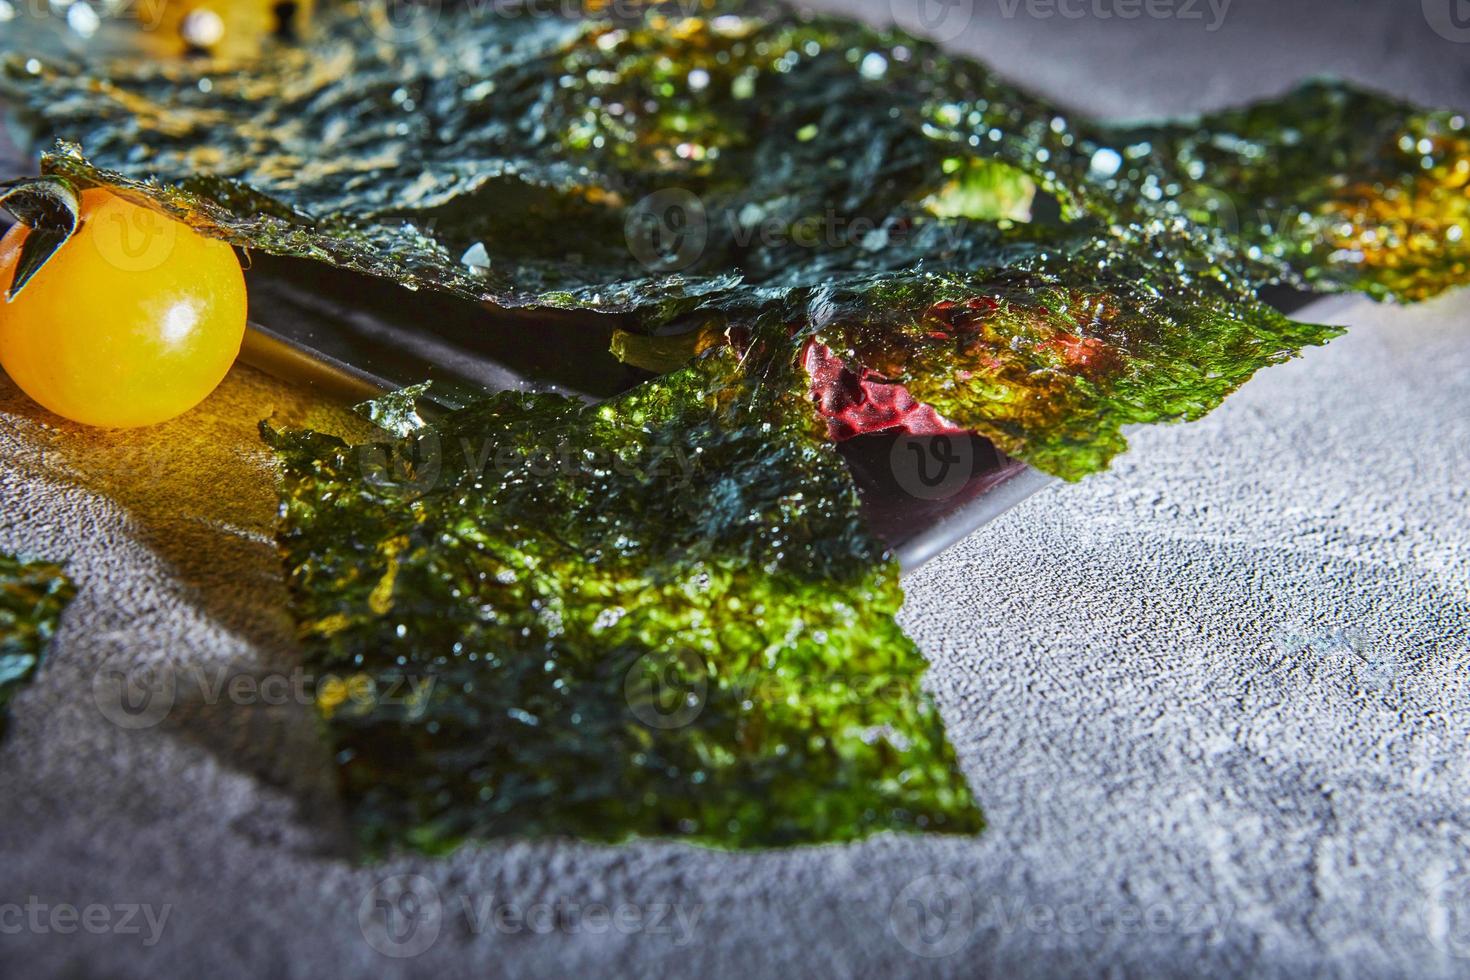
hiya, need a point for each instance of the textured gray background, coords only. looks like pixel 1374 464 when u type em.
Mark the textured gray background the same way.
pixel 1214 701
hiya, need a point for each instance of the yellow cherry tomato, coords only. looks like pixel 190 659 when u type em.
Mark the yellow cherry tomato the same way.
pixel 132 322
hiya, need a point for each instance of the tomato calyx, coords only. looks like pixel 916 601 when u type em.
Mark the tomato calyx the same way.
pixel 51 208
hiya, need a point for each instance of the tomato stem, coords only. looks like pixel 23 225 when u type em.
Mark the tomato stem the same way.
pixel 50 208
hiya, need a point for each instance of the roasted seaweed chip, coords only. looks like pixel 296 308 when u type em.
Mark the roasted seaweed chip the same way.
pixel 725 151
pixel 728 163
pixel 660 616
pixel 1051 355
pixel 648 165
pixel 593 163
pixel 32 597
pixel 1329 188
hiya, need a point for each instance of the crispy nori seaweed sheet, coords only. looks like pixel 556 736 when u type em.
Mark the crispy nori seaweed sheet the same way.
pixel 658 616
pixel 572 153
pixel 569 151
pixel 1330 188
pixel 732 165
pixel 32 597
pixel 1052 355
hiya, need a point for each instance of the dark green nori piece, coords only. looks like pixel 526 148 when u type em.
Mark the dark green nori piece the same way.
pixel 1051 355
pixel 648 165
pixel 32 597
pixel 735 165
pixel 651 163
pixel 660 616
pixel 526 160
pixel 1330 188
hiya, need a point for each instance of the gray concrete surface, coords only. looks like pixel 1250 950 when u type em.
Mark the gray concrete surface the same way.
pixel 1132 59
pixel 1214 702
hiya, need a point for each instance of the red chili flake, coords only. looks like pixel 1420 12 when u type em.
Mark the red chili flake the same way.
pixel 859 402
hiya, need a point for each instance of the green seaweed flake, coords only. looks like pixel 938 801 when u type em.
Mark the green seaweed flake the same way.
pixel 725 153
pixel 737 162
pixel 517 158
pixel 1330 188
pixel 660 616
pixel 32 597
pixel 649 164
pixel 1053 354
